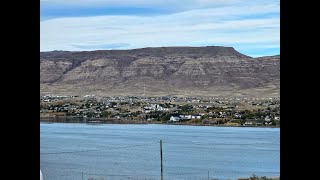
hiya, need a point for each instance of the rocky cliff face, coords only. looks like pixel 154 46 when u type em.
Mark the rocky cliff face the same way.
pixel 186 71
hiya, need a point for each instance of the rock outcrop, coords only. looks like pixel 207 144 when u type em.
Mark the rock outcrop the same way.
pixel 182 71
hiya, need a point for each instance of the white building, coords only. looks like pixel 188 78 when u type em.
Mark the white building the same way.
pixel 174 119
pixel 248 123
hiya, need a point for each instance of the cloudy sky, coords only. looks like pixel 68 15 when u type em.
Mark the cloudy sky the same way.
pixel 251 27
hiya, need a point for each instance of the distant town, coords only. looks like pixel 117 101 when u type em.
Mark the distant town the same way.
pixel 261 112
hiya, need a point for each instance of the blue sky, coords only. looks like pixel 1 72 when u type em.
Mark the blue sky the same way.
pixel 251 27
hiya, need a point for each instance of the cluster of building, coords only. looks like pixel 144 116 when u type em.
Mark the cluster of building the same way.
pixel 154 107
pixel 207 111
pixel 184 117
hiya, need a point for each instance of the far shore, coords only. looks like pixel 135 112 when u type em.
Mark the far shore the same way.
pixel 121 121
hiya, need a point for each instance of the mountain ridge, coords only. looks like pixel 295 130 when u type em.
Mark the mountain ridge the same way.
pixel 182 71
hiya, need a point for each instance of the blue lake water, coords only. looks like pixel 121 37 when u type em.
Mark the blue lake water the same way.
pixel 70 151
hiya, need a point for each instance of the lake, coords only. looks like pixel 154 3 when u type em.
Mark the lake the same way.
pixel 75 151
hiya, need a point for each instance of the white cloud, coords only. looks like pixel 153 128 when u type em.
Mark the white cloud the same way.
pixel 139 2
pixel 178 4
pixel 224 25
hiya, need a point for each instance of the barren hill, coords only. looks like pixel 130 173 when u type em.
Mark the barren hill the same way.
pixel 181 71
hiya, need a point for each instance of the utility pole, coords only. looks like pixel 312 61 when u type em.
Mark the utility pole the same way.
pixel 161 159
pixel 208 175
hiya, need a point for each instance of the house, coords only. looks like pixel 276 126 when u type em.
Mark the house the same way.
pixel 268 123
pixel 267 118
pixel 174 118
pixel 277 118
pixel 237 115
pixel 249 123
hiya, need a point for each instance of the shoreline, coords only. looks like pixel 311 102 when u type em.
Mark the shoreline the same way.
pixel 117 121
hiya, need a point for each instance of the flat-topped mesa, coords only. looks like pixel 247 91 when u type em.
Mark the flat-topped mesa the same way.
pixel 189 71
pixel 184 50
pixel 212 51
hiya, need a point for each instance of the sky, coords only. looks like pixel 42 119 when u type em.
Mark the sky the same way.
pixel 251 27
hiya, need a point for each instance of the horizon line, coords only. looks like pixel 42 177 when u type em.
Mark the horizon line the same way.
pixel 128 49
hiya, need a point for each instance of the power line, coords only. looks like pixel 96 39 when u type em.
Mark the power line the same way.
pixel 89 150
pixel 101 148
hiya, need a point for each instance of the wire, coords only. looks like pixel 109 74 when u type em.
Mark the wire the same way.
pixel 101 148
pixel 89 150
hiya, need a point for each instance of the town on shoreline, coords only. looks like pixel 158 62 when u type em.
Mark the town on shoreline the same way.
pixel 205 111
